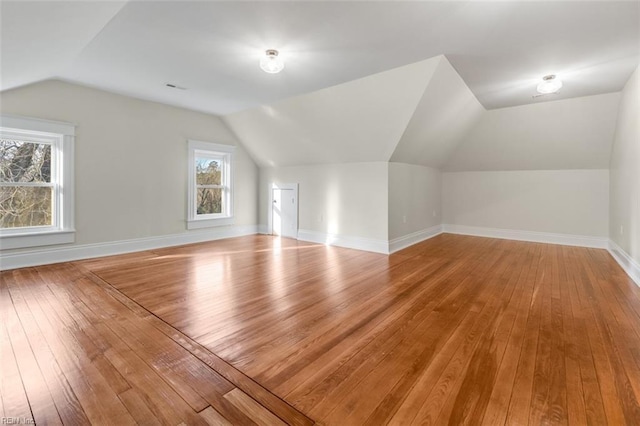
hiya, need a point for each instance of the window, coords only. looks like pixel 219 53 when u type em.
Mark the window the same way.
pixel 36 182
pixel 210 185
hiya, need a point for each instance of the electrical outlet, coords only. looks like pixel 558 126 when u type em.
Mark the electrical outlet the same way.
pixel 621 230
pixel 320 218
pixel 435 213
pixel 404 219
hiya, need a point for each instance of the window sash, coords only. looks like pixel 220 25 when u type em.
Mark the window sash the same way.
pixel 212 186
pixel 55 211
pixel 26 136
pixel 56 142
pixel 224 201
pixel 220 158
pixel 223 155
pixel 223 160
pixel 37 184
pixel 61 137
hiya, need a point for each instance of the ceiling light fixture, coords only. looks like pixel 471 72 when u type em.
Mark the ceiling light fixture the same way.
pixel 550 84
pixel 271 63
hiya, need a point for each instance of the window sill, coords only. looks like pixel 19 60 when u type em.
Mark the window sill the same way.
pixel 49 238
pixel 209 223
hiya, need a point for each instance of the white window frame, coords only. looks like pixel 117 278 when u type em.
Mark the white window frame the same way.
pixel 61 136
pixel 225 153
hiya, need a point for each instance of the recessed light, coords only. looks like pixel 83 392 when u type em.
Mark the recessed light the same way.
pixel 549 84
pixel 271 62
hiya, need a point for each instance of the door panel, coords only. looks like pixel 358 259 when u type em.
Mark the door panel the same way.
pixel 285 213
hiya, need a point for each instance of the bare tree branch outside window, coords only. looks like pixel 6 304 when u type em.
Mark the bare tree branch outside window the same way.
pixel 25 184
pixel 209 186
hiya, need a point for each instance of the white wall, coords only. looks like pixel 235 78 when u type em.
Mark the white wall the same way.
pixel 447 111
pixel 358 121
pixel 574 202
pixel 347 199
pixel 572 133
pixel 415 194
pixel 131 159
pixel 625 171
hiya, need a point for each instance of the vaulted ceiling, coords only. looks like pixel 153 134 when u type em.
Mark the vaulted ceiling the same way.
pixel 358 121
pixel 212 48
pixel 566 134
pixel 447 111
pixel 445 84
pixel 424 114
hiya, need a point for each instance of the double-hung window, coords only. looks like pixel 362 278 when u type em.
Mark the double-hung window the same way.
pixel 36 182
pixel 210 184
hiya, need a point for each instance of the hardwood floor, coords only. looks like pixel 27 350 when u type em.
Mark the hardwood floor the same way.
pixel 454 330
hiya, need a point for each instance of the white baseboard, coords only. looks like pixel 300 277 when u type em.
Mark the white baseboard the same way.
pixel 262 229
pixel 628 264
pixel 414 238
pixel 532 236
pixel 46 256
pixel 358 243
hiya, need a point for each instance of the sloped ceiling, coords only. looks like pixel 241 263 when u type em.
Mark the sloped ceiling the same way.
pixel 565 134
pixel 41 39
pixel 358 121
pixel 212 48
pixel 445 113
pixel 424 114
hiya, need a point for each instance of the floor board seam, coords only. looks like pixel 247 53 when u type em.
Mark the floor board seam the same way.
pixel 195 343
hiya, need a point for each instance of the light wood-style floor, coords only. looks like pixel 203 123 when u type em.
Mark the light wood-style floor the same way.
pixel 454 330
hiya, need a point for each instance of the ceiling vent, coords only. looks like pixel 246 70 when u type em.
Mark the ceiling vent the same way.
pixel 173 86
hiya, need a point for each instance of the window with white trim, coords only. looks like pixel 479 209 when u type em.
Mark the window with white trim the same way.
pixel 36 182
pixel 210 184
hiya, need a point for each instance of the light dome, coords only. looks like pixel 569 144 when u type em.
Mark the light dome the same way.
pixel 271 62
pixel 549 84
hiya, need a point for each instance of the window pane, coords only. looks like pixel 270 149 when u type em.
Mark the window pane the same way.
pixel 208 171
pixel 24 161
pixel 25 206
pixel 209 201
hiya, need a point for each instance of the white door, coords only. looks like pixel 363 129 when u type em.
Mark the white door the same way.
pixel 285 213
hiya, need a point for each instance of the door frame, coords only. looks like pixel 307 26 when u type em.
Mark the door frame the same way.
pixel 272 186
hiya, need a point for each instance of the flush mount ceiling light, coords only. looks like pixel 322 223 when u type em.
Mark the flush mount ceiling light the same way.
pixel 550 84
pixel 271 63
